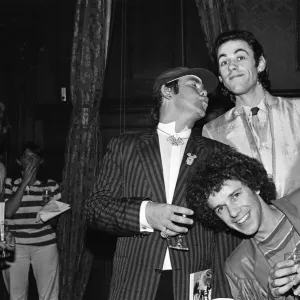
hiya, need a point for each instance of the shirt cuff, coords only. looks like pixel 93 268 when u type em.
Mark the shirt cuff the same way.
pixel 144 225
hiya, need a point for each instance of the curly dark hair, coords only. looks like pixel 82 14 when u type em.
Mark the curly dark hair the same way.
pixel 257 48
pixel 211 175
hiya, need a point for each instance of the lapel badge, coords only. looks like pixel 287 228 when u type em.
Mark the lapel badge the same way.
pixel 190 158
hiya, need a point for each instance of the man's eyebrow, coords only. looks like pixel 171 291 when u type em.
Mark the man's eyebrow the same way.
pixel 229 196
pixel 235 52
pixel 238 189
pixel 195 80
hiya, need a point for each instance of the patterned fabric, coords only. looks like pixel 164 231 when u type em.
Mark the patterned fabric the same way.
pixel 249 278
pixel 130 173
pixel 23 223
pixel 83 146
pixel 283 239
pixel 216 16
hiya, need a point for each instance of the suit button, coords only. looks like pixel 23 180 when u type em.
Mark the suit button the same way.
pixel 158 271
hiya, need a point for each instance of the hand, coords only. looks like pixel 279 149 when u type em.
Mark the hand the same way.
pixel 29 172
pixel 282 278
pixel 162 217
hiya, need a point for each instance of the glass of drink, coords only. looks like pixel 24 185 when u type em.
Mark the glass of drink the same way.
pixel 180 243
pixel 295 256
pixel 46 197
pixel 3 232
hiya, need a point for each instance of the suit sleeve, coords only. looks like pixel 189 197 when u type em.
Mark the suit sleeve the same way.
pixel 225 243
pixel 233 284
pixel 106 208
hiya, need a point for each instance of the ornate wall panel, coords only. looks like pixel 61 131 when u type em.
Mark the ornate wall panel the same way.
pixel 274 24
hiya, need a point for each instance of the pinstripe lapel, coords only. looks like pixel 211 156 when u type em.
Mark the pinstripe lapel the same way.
pixel 148 149
pixel 185 169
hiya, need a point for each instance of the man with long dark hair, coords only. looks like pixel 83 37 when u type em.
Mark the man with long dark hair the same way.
pixel 260 125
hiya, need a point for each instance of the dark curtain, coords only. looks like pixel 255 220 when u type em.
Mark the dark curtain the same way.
pixel 83 145
pixel 216 16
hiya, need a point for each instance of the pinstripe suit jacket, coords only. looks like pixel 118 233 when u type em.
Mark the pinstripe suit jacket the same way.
pixel 131 172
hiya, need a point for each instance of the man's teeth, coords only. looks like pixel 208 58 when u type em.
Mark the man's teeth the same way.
pixel 243 219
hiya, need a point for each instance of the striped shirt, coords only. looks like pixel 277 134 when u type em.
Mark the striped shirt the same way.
pixel 23 223
pixel 283 239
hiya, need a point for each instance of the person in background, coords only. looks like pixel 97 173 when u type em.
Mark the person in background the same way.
pixel 35 242
pixel 232 190
pixel 4 126
pixel 140 196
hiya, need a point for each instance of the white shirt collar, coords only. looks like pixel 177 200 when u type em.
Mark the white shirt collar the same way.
pixel 169 129
pixel 261 105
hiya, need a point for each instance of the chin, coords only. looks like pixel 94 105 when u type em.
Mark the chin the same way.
pixel 249 232
pixel 201 114
pixel 236 89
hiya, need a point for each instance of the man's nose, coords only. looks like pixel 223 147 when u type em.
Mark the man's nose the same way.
pixel 203 93
pixel 232 66
pixel 233 210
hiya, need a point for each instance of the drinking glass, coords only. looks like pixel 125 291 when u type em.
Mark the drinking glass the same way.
pixel 295 256
pixel 46 196
pixel 3 232
pixel 180 242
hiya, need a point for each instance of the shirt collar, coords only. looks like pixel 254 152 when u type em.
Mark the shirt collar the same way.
pixel 261 105
pixel 169 129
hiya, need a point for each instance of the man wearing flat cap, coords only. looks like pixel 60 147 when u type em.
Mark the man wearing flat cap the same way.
pixel 140 196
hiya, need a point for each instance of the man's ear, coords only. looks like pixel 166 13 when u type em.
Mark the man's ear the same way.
pixel 220 79
pixel 18 162
pixel 166 92
pixel 261 64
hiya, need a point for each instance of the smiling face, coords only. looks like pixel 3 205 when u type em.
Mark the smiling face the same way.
pixel 192 97
pixel 238 68
pixel 238 206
